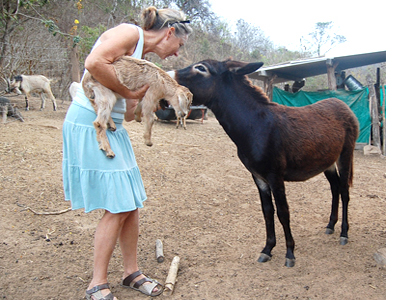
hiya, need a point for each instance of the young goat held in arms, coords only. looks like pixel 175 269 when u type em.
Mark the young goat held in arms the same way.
pixel 134 73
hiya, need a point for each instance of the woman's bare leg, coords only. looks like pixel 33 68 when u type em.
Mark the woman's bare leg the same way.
pixel 128 241
pixel 105 239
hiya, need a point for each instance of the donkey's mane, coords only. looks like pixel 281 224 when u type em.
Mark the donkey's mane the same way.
pixel 256 92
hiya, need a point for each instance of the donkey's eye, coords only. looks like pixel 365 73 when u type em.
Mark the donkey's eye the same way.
pixel 201 68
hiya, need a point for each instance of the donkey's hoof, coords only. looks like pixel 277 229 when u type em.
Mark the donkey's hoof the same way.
pixel 149 143
pixel 264 258
pixel 343 240
pixel 329 231
pixel 290 262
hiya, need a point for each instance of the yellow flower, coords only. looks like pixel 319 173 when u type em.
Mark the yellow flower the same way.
pixel 76 21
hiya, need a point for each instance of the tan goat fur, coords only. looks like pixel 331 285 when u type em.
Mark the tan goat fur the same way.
pixel 134 73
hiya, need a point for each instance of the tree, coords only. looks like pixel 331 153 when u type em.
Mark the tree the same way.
pixel 251 41
pixel 322 39
pixel 73 27
pixel 8 23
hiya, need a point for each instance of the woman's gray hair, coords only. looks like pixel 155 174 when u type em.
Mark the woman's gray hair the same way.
pixel 157 19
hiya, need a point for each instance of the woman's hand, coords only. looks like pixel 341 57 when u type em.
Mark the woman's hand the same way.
pixel 131 103
pixel 139 93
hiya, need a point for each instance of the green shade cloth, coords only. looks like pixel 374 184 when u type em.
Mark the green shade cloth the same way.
pixel 356 100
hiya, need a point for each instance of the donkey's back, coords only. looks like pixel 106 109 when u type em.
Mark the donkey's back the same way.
pixel 314 137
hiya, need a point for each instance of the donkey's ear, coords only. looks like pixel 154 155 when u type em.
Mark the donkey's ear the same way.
pixel 242 68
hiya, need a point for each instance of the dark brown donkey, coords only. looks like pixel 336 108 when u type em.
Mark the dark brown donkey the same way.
pixel 278 143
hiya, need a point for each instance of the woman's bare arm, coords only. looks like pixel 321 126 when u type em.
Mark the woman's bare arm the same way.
pixel 119 41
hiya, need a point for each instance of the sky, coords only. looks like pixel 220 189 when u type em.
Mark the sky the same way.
pixel 363 23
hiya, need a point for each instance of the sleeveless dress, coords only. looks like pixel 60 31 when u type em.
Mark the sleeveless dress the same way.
pixel 91 179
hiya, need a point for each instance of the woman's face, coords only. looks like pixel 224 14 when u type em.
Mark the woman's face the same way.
pixel 172 43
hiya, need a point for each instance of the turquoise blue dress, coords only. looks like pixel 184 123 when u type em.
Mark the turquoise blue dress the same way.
pixel 91 179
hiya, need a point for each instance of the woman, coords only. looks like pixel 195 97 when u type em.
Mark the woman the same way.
pixel 93 181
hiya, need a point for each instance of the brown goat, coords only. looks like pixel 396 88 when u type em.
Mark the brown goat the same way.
pixel 134 73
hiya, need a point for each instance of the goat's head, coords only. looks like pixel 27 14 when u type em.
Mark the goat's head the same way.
pixel 182 101
pixel 204 79
pixel 15 85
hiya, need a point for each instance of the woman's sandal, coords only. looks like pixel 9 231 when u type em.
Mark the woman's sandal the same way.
pixel 95 292
pixel 139 285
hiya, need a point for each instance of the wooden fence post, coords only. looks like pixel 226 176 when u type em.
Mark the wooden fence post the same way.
pixel 268 86
pixel 330 66
pixel 383 120
pixel 376 136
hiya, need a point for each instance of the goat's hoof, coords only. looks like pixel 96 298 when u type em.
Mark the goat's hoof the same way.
pixel 290 262
pixel 343 240
pixel 329 231
pixel 149 144
pixel 264 258
pixel 109 153
pixel 107 150
pixel 112 128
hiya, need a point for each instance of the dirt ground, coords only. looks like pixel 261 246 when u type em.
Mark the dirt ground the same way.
pixel 204 207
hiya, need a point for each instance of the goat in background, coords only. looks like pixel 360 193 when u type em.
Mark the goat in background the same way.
pixel 27 84
pixel 135 73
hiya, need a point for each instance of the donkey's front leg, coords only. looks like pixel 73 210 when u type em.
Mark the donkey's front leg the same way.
pixel 278 190
pixel 268 211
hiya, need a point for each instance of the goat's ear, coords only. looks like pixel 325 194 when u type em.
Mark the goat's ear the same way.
pixel 241 68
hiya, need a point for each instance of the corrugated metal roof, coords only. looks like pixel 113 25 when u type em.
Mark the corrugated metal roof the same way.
pixel 300 69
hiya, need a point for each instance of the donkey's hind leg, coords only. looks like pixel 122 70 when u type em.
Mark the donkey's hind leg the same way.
pixel 345 168
pixel 334 181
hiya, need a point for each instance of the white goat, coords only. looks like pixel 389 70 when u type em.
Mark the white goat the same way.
pixel 134 73
pixel 27 84
pixel 181 121
pixel 73 89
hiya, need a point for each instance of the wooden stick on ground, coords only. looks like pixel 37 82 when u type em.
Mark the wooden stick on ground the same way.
pixel 45 213
pixel 50 213
pixel 159 251
pixel 171 278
